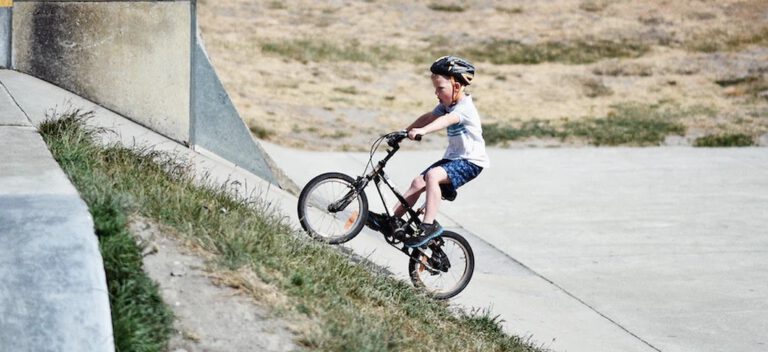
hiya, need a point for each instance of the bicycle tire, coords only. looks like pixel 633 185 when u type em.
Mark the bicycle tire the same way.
pixel 415 268
pixel 309 212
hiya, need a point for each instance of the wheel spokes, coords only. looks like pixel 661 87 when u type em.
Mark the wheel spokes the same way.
pixel 325 197
pixel 439 282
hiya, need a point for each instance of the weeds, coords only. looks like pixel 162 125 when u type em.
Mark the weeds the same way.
pixel 338 134
pixel 353 308
pixel 515 10
pixel 616 68
pixel 496 51
pixel 500 52
pixel 593 5
pixel 352 90
pixel 725 140
pixel 276 5
pixel 261 132
pixel 446 7
pixel 751 87
pixel 627 124
pixel 310 50
pixel 496 134
pixel 594 88
pixel 715 40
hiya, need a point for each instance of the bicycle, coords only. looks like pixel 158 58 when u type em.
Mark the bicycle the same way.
pixel 333 208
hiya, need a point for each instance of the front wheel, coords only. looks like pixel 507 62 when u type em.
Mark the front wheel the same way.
pixel 444 268
pixel 331 210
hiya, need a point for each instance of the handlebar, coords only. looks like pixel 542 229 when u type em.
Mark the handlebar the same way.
pixel 395 138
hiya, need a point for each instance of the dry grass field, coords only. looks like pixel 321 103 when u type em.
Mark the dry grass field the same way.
pixel 332 75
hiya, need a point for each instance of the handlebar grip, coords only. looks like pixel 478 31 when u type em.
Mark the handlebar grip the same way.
pixel 418 137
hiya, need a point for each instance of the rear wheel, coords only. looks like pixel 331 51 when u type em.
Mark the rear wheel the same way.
pixel 330 210
pixel 444 268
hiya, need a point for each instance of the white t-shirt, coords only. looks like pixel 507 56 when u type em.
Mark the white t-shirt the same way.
pixel 465 139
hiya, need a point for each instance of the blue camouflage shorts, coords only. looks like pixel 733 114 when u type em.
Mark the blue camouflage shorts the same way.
pixel 460 171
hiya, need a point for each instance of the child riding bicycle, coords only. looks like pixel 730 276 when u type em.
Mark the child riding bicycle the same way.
pixel 463 160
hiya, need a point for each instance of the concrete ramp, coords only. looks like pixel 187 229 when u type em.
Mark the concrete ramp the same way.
pixel 217 127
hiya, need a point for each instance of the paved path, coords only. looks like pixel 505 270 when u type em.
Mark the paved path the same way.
pixel 614 249
pixel 53 292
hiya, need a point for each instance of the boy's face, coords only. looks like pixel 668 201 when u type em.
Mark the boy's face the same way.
pixel 444 89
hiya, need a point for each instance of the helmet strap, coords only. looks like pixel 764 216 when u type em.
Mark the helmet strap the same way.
pixel 454 92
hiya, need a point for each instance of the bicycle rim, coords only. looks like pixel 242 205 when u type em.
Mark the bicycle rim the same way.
pixel 332 227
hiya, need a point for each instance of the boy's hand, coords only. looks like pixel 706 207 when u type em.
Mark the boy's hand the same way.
pixel 416 132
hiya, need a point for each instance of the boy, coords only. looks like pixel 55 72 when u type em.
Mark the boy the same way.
pixel 464 158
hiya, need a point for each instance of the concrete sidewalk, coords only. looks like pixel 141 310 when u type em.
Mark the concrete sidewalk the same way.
pixel 612 249
pixel 54 293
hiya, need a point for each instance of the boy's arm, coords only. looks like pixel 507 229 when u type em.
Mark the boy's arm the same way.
pixel 422 121
pixel 435 125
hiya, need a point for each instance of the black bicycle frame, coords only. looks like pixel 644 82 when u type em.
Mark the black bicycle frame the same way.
pixel 377 175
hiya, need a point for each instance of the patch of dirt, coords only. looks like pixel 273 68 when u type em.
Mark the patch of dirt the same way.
pixel 343 104
pixel 212 312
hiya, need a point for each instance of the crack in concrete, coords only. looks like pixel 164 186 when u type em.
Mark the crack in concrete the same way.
pixel 16 102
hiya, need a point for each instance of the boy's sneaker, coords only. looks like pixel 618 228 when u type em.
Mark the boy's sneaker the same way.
pixel 377 221
pixel 428 232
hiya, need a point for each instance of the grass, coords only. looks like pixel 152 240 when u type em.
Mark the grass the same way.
pixel 753 88
pixel 311 50
pixel 446 7
pixel 261 132
pixel 594 88
pixel 140 319
pixel 497 134
pixel 514 10
pixel 627 124
pixel 506 51
pixel 496 51
pixel 715 40
pixel 350 306
pixel 337 134
pixel 757 89
pixel 725 140
pixel 276 5
pixel 352 90
pixel 593 5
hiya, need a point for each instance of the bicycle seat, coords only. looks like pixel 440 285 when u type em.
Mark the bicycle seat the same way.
pixel 448 192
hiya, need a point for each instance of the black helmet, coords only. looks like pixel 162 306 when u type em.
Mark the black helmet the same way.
pixel 456 67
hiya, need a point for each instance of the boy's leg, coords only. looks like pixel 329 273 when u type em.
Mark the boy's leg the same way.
pixel 430 228
pixel 461 172
pixel 411 195
pixel 433 179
